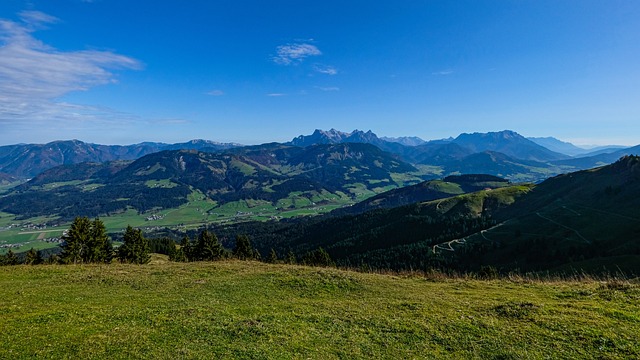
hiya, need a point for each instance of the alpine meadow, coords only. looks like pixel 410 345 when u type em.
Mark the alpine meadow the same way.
pixel 176 181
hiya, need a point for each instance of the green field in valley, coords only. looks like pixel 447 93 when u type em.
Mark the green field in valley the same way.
pixel 234 309
pixel 21 235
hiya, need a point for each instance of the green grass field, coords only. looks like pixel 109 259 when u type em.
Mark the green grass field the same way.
pixel 253 310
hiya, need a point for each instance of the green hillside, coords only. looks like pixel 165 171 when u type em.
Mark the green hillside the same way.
pixel 397 238
pixel 254 310
pixel 426 191
pixel 584 220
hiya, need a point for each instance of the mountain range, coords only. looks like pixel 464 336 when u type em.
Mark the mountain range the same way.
pixel 28 160
pixel 505 153
pixel 457 203
pixel 165 179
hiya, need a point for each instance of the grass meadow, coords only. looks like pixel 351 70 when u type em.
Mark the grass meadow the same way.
pixel 252 310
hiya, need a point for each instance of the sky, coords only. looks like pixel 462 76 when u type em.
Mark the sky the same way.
pixel 250 72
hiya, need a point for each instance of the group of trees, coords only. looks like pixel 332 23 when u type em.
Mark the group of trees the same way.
pixel 207 247
pixel 135 247
pixel 9 258
pixel 31 257
pixel 87 242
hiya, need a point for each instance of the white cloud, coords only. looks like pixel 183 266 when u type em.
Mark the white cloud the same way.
pixel 216 92
pixel 291 54
pixel 276 94
pixel 325 69
pixel 328 88
pixel 442 73
pixel 34 76
pixel 169 121
pixel 37 19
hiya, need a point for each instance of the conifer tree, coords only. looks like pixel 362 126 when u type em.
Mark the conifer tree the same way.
pixel 33 257
pixel 318 257
pixel 76 241
pixel 135 248
pixel 99 248
pixel 185 252
pixel 10 258
pixel 86 242
pixel 291 258
pixel 273 257
pixel 243 249
pixel 208 248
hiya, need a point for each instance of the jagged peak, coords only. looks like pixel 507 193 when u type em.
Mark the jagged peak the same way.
pixel 495 134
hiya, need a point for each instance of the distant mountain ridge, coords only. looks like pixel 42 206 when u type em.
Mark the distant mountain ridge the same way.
pixel 28 160
pixel 559 146
pixel 405 140
pixel 504 153
pixel 568 148
pixel 509 143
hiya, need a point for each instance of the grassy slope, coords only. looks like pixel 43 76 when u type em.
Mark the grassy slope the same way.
pixel 253 310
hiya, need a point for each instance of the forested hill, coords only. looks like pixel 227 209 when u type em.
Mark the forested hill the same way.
pixel 426 191
pixel 165 179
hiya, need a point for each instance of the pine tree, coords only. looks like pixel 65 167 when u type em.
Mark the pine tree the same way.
pixel 243 249
pixel 318 257
pixel 10 258
pixel 99 248
pixel 185 252
pixel 291 258
pixel 273 257
pixel 33 257
pixel 208 248
pixel 174 253
pixel 76 241
pixel 135 248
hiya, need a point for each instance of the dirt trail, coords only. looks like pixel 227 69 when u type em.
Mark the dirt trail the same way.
pixel 564 226
pixel 447 244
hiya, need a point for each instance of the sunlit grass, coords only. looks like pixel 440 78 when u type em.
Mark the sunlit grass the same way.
pixel 254 310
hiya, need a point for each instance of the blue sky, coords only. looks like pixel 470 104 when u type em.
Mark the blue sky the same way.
pixel 121 71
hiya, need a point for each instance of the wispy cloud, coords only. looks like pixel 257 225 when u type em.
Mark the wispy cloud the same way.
pixel 215 93
pixel 442 72
pixel 37 19
pixel 325 69
pixel 291 54
pixel 169 121
pixel 34 76
pixel 276 94
pixel 328 88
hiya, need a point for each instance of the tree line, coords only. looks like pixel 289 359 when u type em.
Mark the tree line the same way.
pixel 87 242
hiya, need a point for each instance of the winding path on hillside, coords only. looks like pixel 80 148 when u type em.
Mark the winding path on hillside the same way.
pixel 564 226
pixel 447 245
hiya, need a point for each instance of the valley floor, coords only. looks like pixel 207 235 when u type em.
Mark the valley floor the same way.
pixel 235 309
